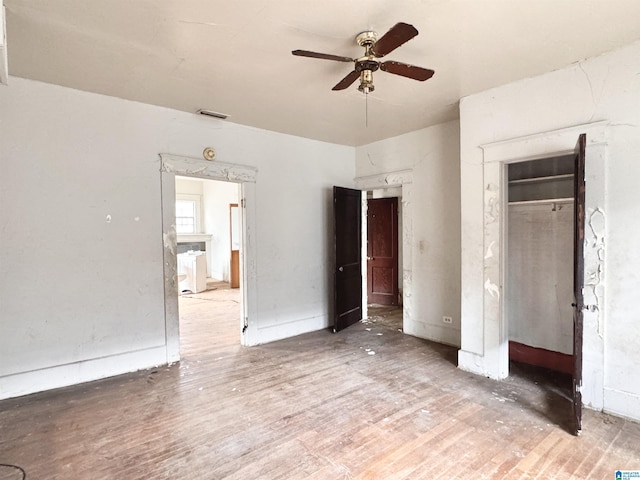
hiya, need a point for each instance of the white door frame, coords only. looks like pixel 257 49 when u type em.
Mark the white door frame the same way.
pixel 492 358
pixel 403 179
pixel 172 165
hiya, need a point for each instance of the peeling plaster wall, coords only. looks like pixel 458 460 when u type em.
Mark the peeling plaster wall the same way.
pixel 81 273
pixel 432 154
pixel 603 88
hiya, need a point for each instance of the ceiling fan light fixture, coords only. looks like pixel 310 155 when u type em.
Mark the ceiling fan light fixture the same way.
pixel 366 82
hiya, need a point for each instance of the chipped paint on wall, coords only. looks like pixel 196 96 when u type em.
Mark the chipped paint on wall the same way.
pixel 594 249
pixel 170 239
pixel 169 168
pixel 196 167
pixel 492 288
pixel 373 182
pixel 393 179
pixel 492 204
pixel 489 253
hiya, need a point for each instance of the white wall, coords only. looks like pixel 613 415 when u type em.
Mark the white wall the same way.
pixel 188 186
pixel 433 156
pixel 216 200
pixel 81 277
pixel 540 275
pixel 603 88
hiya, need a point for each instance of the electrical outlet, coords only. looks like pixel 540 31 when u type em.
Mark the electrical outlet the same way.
pixel 447 319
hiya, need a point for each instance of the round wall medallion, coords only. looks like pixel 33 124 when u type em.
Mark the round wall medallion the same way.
pixel 209 153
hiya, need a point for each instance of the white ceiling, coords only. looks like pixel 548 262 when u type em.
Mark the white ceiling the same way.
pixel 235 56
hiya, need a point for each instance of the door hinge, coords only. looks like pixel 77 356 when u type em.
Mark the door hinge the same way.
pixel 246 324
pixel 243 203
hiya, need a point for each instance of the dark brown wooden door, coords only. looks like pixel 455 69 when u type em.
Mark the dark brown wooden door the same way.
pixel 382 251
pixel 578 278
pixel 347 215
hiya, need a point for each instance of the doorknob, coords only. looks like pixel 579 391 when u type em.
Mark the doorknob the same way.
pixel 341 269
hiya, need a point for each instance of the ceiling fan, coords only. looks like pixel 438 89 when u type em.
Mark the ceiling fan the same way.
pixel 374 49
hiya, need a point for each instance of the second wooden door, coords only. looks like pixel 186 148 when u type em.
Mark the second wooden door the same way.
pixel 382 251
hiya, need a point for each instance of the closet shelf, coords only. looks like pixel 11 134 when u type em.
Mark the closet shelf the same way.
pixel 541 179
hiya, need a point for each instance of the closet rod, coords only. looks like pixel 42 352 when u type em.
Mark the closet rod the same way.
pixel 542 202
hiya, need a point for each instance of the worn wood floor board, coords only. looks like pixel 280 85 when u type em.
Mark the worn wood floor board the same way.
pixel 582 461
pixel 318 406
pixel 387 462
pixel 421 460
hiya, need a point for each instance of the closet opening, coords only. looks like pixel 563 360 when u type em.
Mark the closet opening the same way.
pixel 539 277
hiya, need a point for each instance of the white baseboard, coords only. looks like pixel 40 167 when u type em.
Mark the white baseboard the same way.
pixel 25 383
pixel 435 333
pixel 279 331
pixel 622 404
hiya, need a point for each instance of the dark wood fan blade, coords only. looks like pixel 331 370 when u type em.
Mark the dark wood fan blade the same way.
pixel 406 70
pixel 396 36
pixel 346 81
pixel 324 56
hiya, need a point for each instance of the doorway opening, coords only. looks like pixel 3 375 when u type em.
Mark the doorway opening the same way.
pixel 245 177
pixel 207 263
pixel 485 337
pixel 539 281
pixel 383 247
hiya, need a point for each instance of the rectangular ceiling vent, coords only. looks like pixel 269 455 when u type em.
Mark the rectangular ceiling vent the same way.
pixel 211 113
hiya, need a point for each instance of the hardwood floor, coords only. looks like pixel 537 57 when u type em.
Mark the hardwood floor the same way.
pixel 366 403
pixel 209 320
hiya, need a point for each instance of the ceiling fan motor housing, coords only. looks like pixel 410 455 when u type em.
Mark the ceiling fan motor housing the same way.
pixel 367 63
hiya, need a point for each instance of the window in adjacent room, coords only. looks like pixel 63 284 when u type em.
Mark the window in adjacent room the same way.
pixel 187 216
